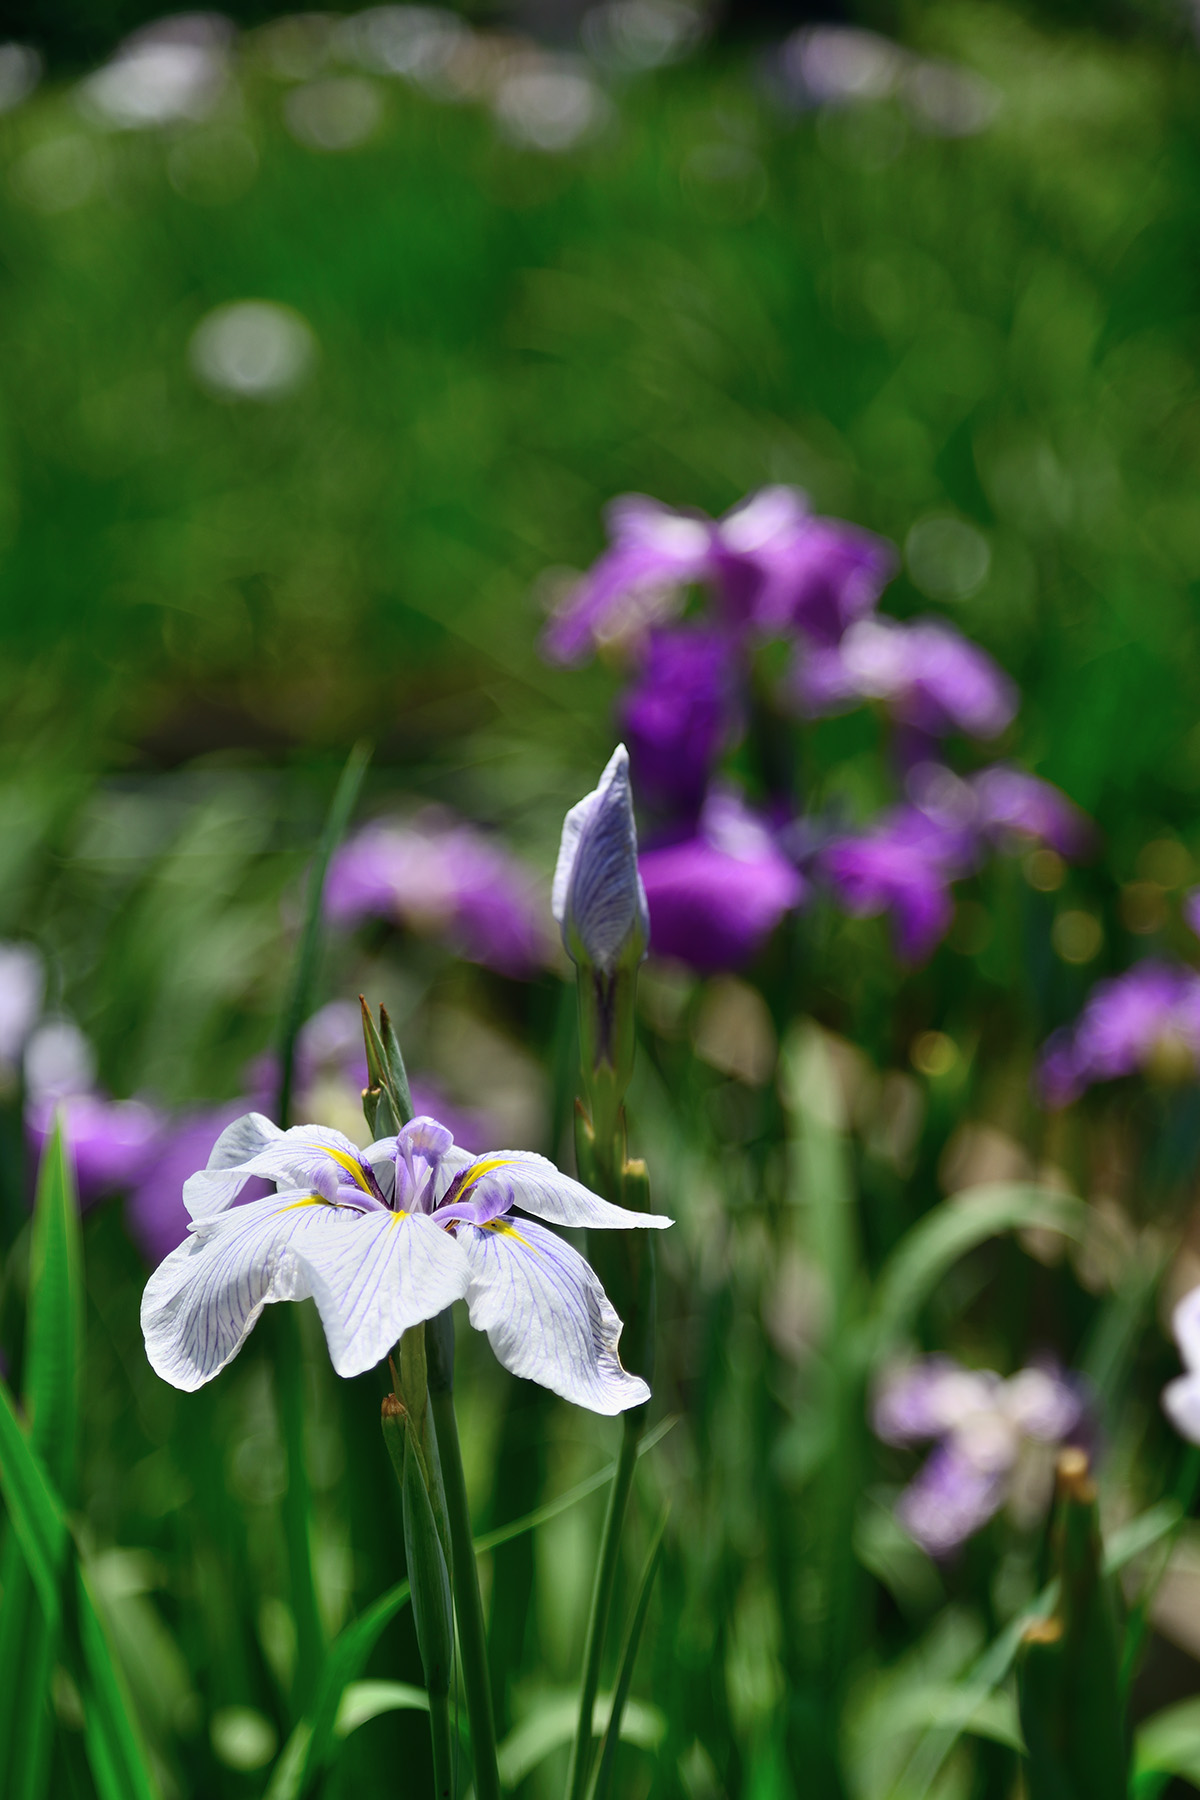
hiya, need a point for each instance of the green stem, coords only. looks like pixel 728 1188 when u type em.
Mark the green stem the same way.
pixel 464 1576
pixel 602 1593
pixel 443 1750
pixel 297 1511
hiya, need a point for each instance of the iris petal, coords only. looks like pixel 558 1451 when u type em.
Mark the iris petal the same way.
pixel 522 1178
pixel 253 1146
pixel 371 1283
pixel 546 1315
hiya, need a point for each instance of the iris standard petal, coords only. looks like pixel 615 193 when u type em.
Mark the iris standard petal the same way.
pixel 371 1282
pixel 546 1315
pixel 505 1178
pixel 305 1156
pixel 201 1304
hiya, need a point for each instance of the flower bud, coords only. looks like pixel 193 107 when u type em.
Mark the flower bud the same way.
pixel 598 898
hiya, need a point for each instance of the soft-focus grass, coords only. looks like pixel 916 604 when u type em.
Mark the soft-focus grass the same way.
pixel 204 603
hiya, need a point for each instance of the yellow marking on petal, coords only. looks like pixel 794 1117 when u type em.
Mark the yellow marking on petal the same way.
pixel 507 1230
pixel 351 1167
pixel 486 1167
pixel 397 1216
pixel 313 1200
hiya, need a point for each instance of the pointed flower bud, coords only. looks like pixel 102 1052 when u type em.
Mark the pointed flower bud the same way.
pixel 598 898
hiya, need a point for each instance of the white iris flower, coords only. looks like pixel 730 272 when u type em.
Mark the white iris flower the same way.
pixel 382 1239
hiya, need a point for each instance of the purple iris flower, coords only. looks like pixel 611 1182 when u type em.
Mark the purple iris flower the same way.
pixel 774 568
pixel 680 715
pixel 716 897
pixel 442 878
pixel 1015 805
pixel 1148 1018
pixel 110 1141
pixel 981 1427
pixel 930 678
pixel 903 866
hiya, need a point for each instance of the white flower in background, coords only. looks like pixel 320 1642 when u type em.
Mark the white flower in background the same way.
pixel 550 104
pixel 175 69
pixel 252 350
pixel 415 42
pixel 1181 1397
pixel 20 71
pixel 383 1239
pixel 22 987
pixel 598 899
pixel 642 34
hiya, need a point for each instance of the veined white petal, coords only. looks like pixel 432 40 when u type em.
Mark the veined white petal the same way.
pixel 371 1282
pixel 296 1157
pixel 201 1303
pixel 521 1178
pixel 546 1315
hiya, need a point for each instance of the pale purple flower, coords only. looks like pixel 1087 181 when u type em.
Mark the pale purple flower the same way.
pixel 441 878
pixel 383 1239
pixel 772 565
pixel 110 1141
pixel 904 865
pixel 680 715
pixel 1146 1019
pixel 22 985
pixel 979 1424
pixel 1014 805
pixel 715 897
pixel 928 676
pixel 598 900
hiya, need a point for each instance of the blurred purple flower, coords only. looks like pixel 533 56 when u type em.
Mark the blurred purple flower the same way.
pixel 442 878
pixel 773 565
pixel 680 715
pixel 979 1424
pixel 111 1142
pixel 1146 1019
pixel 928 675
pixel 154 1212
pixel 715 898
pixel 903 866
pixel 1015 805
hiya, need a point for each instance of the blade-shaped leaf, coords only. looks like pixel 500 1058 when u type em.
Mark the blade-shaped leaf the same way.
pixel 947 1233
pixel 54 1337
pixel 39 1526
pixel 612 1736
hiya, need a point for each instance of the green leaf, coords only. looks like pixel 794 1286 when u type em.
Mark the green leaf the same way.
pixel 947 1233
pixel 365 1700
pixel 1169 1744
pixel 552 1725
pixel 54 1339
pixel 612 1735
pixel 39 1525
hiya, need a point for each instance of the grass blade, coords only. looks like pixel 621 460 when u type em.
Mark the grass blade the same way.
pixel 54 1337
pixel 288 1356
pixel 612 1736
pixel 947 1233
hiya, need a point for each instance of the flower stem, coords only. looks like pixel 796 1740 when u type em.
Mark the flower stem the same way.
pixel 443 1750
pixel 468 1606
pixel 602 1593
pixel 297 1511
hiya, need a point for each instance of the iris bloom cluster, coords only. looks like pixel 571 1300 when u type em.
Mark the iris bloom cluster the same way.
pixel 383 1239
pixel 1144 1021
pixel 984 1430
pixel 719 876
